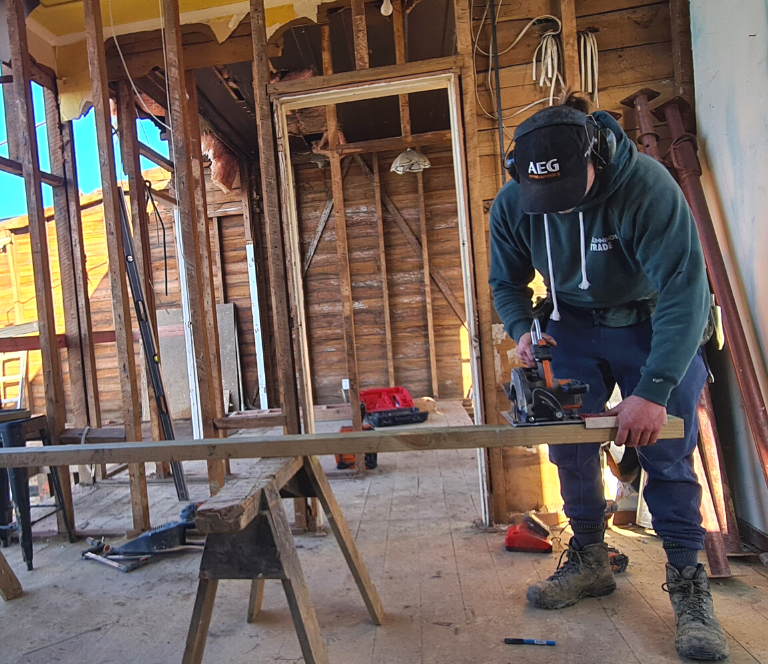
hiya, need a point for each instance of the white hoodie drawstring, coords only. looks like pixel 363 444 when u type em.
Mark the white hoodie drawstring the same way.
pixel 584 281
pixel 584 285
pixel 555 311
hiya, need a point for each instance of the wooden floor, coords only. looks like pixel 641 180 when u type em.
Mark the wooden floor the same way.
pixel 450 590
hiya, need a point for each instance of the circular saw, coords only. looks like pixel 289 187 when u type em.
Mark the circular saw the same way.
pixel 538 397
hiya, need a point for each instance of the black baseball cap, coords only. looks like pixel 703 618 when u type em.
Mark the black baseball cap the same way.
pixel 552 151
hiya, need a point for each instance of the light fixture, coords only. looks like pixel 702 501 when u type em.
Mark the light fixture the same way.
pixel 410 161
pixel 386 8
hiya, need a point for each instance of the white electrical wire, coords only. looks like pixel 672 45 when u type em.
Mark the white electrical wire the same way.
pixel 548 52
pixel 588 64
pixel 125 67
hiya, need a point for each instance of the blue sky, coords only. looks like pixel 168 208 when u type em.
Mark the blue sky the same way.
pixel 12 196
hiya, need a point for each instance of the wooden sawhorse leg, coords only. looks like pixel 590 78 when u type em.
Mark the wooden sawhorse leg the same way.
pixel 255 599
pixel 201 620
pixel 338 523
pixel 10 588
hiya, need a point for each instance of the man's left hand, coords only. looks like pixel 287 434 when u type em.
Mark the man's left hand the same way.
pixel 640 421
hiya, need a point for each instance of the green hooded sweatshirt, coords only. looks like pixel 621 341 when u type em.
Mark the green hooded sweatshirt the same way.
pixel 632 238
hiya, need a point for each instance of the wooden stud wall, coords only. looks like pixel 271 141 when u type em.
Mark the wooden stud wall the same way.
pixel 405 280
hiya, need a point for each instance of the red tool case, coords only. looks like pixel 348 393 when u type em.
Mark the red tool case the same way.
pixel 389 406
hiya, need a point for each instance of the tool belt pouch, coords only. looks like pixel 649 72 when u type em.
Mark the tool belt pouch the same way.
pixel 542 310
pixel 714 328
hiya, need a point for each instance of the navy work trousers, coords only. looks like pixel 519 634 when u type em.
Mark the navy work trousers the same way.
pixel 604 357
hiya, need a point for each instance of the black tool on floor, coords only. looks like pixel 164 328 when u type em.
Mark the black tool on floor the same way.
pixel 168 538
pixel 148 342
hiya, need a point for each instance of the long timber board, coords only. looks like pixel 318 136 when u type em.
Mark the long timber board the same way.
pixel 359 442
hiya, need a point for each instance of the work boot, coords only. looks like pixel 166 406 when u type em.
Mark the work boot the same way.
pixel 585 573
pixel 698 634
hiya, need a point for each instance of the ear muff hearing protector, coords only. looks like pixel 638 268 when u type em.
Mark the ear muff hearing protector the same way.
pixel 603 147
pixel 603 143
pixel 509 164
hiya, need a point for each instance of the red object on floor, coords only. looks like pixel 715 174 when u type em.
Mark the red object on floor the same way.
pixel 385 398
pixel 348 460
pixel 522 537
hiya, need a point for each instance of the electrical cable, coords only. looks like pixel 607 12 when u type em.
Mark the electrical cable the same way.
pixel 588 64
pixel 148 186
pixel 125 67
pixel 549 60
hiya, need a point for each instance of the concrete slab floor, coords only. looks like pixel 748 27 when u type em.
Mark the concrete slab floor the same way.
pixel 450 590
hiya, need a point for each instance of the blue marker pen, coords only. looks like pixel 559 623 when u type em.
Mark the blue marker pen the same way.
pixel 529 642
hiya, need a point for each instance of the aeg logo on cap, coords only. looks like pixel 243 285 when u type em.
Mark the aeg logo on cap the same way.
pixel 539 170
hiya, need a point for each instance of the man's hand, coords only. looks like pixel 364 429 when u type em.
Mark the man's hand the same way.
pixel 524 348
pixel 640 421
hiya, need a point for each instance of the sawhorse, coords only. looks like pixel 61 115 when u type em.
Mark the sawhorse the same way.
pixel 248 537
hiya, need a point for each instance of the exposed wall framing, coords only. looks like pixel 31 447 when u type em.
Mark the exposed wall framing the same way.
pixel 129 384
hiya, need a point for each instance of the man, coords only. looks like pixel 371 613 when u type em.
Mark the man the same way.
pixel 615 240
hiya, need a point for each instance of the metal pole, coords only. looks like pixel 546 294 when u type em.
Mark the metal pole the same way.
pixel 497 77
pixel 686 162
pixel 648 138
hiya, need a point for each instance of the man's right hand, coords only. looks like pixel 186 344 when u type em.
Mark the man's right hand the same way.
pixel 524 348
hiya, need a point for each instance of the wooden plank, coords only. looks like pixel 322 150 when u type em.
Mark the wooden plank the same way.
pixel 325 49
pixel 365 76
pixel 412 439
pixel 383 269
pixel 12 131
pixel 345 279
pixel 129 153
pixel 427 287
pixel 221 287
pixel 258 286
pixel 682 54
pixel 396 142
pixel 486 394
pixel 249 421
pixel 207 288
pixel 16 168
pixel 528 9
pixel 155 157
pixel 210 53
pixel 278 277
pixel 413 241
pixel 398 25
pixel 105 435
pixel 66 264
pixel 81 276
pixel 570 44
pixel 360 34
pixel 164 196
pixel 10 588
pixel 121 313
pixel 239 502
pixel 51 359
pixel 183 156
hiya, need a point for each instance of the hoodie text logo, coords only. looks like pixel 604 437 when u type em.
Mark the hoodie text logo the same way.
pixel 544 169
pixel 602 243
